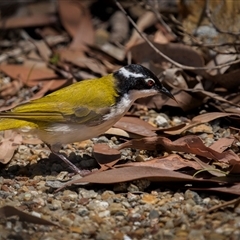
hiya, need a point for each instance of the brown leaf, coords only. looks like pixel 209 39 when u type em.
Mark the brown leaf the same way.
pixel 203 118
pixel 9 211
pixel 188 144
pixel 159 37
pixel 104 154
pixel 209 168
pixel 78 58
pixel 218 60
pixel 222 144
pixel 10 89
pixel 117 175
pixel 147 19
pixel 232 189
pixel 170 162
pixel 136 126
pixel 27 21
pixel 176 51
pixel 119 132
pixel 228 80
pixel 28 74
pixel 77 21
pixel 8 145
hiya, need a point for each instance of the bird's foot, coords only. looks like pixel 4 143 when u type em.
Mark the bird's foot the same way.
pixel 74 168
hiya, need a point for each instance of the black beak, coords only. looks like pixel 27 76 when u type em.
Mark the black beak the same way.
pixel 166 92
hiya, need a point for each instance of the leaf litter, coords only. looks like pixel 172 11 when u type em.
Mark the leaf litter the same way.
pixel 206 89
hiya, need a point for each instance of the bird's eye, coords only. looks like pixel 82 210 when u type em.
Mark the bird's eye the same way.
pixel 150 82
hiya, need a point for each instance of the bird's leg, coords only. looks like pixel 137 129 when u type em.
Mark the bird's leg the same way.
pixel 63 158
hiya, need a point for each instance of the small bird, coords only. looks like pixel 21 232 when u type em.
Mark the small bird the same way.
pixel 84 109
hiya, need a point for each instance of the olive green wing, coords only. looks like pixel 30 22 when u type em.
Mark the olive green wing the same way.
pixel 83 102
pixel 81 115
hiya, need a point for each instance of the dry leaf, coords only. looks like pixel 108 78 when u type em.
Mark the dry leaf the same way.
pixel 177 52
pixel 170 162
pixel 8 145
pixel 117 175
pixel 77 21
pixel 136 126
pixel 188 144
pixel 9 211
pixel 203 118
pixel 222 144
pixel 28 21
pixel 104 154
pixel 232 189
pixel 28 74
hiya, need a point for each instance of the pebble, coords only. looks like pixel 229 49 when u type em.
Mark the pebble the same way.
pixel 104 214
pixel 128 211
pixel 87 193
pixel 153 214
pixel 161 121
pixel 56 204
pixel 97 205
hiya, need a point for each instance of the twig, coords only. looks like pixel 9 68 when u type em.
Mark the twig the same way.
pixel 234 201
pixel 155 10
pixel 163 55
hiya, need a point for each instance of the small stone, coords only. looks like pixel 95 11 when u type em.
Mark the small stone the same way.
pixel 153 214
pixel 126 237
pixel 116 208
pixel 103 236
pixel 97 205
pixel 126 204
pixel 169 224
pixel 161 121
pixel 36 214
pixel 87 193
pixel 149 198
pixel 132 197
pixel 133 188
pixel 176 121
pixel 196 235
pixel 40 201
pixel 106 195
pixel 66 221
pixel 70 195
pixel 27 196
pixel 89 228
pixel 103 214
pixel 102 139
pixel 56 204
pixel 68 205
pixel 237 209
pixel 82 211
pixel 194 196
pixel 61 175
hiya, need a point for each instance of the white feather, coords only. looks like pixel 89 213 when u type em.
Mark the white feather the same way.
pixel 129 74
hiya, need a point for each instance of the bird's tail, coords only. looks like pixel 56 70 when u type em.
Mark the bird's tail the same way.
pixel 8 123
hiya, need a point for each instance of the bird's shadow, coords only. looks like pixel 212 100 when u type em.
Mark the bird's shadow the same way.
pixel 44 167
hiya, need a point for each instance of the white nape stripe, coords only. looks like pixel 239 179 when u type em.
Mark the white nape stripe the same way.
pixel 128 74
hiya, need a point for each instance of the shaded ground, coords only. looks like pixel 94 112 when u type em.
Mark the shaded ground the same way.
pixel 180 160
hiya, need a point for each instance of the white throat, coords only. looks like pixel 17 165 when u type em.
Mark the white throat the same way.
pixel 126 102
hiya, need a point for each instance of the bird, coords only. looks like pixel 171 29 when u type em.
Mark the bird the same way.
pixel 84 109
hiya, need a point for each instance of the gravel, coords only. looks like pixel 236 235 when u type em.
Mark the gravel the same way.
pixel 128 211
